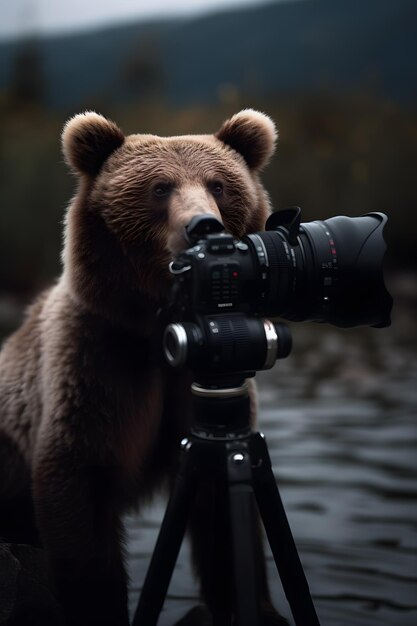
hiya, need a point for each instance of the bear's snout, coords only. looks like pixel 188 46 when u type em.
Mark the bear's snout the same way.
pixel 186 204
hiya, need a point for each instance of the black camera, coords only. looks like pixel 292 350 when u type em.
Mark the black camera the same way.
pixel 225 290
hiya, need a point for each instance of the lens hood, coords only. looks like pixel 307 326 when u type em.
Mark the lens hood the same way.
pixel 360 297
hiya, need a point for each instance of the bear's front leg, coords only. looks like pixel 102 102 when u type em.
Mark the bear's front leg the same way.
pixel 81 529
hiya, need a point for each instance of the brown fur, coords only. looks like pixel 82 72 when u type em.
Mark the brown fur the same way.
pixel 89 424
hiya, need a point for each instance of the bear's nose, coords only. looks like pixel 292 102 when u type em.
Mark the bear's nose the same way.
pixel 188 202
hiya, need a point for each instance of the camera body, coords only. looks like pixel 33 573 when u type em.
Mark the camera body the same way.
pixel 218 275
pixel 225 289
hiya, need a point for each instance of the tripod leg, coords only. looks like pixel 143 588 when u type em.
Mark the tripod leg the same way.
pixel 168 544
pixel 209 531
pixel 243 531
pixel 280 538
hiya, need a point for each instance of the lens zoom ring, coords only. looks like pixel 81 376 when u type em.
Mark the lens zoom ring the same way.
pixel 235 336
pixel 232 329
pixel 240 342
pixel 278 267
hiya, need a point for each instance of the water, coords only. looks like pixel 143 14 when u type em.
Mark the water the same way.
pixel 339 416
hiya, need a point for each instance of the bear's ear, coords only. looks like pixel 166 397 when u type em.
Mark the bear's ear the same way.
pixel 87 140
pixel 252 134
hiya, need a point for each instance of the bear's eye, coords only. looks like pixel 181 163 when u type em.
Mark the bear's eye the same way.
pixel 216 188
pixel 162 190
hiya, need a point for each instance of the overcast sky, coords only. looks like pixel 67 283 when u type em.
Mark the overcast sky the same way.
pixel 21 16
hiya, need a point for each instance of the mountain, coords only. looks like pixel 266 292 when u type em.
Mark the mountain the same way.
pixel 288 48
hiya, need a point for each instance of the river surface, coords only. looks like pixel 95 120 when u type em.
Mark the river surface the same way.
pixel 340 420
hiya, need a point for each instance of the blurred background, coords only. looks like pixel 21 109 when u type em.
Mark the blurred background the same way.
pixel 339 77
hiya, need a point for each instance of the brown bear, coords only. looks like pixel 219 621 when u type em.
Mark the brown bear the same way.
pixel 89 422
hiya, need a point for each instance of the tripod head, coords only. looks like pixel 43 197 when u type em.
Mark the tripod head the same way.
pixel 221 413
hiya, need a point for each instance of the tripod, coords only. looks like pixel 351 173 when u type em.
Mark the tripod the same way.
pixel 222 442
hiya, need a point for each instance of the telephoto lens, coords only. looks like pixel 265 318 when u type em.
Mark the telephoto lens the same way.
pixel 323 271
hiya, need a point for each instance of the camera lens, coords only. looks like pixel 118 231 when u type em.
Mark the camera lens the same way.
pixel 229 342
pixel 325 271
